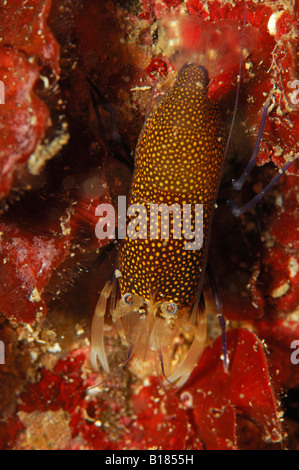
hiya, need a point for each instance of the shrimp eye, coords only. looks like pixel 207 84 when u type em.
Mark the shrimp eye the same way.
pixel 169 308
pixel 128 299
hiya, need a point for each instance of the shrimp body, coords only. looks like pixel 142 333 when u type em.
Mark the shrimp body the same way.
pixel 179 158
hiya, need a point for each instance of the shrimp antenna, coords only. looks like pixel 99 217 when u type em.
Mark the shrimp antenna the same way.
pixel 101 127
pixel 162 367
pixel 94 91
pixel 238 85
pixel 117 370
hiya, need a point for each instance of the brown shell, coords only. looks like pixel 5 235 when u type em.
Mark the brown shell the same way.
pixel 178 160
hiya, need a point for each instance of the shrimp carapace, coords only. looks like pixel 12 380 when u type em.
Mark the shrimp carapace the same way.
pixel 178 164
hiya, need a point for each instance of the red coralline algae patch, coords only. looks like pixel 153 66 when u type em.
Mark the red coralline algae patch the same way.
pixel 156 68
pixel 276 279
pixel 147 12
pixel 279 334
pixel 47 225
pixel 161 421
pixel 218 398
pixel 205 413
pixel 274 79
pixel 172 3
pixel 270 71
pixel 202 415
pixel 27 46
pixel 45 239
pixel 63 394
pixel 28 260
pixel 26 30
pixel 57 389
pixel 9 430
pixel 25 116
pixel 51 231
